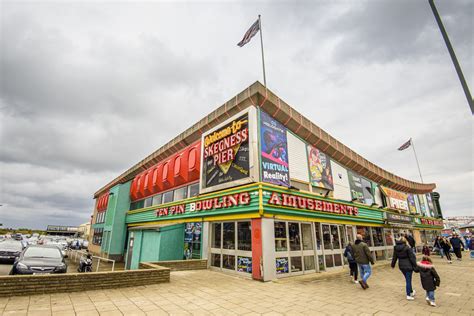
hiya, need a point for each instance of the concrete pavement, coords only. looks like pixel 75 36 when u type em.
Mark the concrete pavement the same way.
pixel 213 293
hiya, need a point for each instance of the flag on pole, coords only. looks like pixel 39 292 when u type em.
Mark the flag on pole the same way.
pixel 250 33
pixel 406 145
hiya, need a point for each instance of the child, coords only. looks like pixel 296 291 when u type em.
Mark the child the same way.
pixel 429 279
pixel 426 250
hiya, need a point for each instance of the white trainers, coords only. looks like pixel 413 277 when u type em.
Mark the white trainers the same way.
pixel 413 293
pixel 410 298
pixel 432 303
pixel 356 282
pixel 427 298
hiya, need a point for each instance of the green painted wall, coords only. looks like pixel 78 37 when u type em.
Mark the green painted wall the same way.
pixel 115 228
pixel 172 243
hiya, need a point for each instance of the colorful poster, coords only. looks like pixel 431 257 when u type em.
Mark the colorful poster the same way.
pixel 421 200
pixel 274 151
pixel 320 169
pixel 244 264
pixel 431 209
pixel 411 203
pixel 355 184
pixel 395 199
pixel 226 153
pixel 282 265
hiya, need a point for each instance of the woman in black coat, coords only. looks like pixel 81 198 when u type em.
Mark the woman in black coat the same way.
pixel 406 263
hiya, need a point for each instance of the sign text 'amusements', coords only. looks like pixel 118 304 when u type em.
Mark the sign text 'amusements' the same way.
pixel 301 202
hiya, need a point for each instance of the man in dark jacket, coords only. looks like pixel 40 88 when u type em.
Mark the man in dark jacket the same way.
pixel 363 257
pixel 457 243
pixel 406 263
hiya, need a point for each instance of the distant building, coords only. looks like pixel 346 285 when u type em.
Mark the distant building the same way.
pixel 61 230
pixel 84 230
pixel 458 221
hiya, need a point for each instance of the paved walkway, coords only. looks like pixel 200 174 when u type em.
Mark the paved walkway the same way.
pixel 212 293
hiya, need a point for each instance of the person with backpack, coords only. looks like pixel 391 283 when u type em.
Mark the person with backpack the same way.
pixel 446 246
pixel 406 263
pixel 429 279
pixel 364 258
pixel 349 254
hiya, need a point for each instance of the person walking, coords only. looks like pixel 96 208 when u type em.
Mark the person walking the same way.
pixel 426 250
pixel 364 258
pixel 437 245
pixel 446 246
pixel 411 242
pixel 429 279
pixel 349 254
pixel 406 263
pixel 457 243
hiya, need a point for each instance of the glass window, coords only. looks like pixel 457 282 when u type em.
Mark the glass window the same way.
pixel 296 264
pixel 327 237
pixel 364 231
pixel 307 237
pixel 335 237
pixel 337 260
pixel 377 235
pixel 156 200
pixel 228 235
pixel 140 204
pixel 180 194
pixel 133 206
pixel 282 265
pixel 167 197
pixel 280 236
pixel 244 236
pixel 380 254
pixel 321 263
pixel 216 235
pixel 349 234
pixel 244 264
pixel 317 228
pixel 148 202
pixel 309 263
pixel 295 238
pixel 228 262
pixel 329 261
pixel 193 190
pixel 388 237
pixel 215 260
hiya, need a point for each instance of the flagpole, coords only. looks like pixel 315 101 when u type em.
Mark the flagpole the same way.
pixel 416 158
pixel 261 44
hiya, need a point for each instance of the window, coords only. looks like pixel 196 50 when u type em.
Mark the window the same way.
pixel 216 236
pixel 156 200
pixel 295 237
pixel 100 217
pixel 377 234
pixel 180 194
pixel 388 237
pixel 148 202
pixel 244 236
pixel 364 231
pixel 167 197
pixel 317 230
pixel 280 236
pixel 216 260
pixel 228 236
pixel 137 205
pixel 97 237
pixel 193 190
pixel 228 262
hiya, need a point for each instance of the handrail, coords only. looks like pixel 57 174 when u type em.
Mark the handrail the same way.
pixel 97 257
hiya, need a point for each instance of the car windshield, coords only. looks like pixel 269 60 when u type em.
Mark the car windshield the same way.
pixel 42 252
pixel 11 245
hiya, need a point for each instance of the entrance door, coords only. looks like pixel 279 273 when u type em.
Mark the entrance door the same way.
pixel 332 244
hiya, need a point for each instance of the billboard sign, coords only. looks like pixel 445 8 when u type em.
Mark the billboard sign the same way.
pixel 227 153
pixel 396 200
pixel 411 203
pixel 357 191
pixel 319 168
pixel 274 151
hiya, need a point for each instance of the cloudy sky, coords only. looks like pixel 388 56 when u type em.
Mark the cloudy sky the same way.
pixel 90 88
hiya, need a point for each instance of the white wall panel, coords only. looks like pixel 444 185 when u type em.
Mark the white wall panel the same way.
pixel 342 190
pixel 298 159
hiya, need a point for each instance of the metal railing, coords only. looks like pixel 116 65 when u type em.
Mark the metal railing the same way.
pixel 72 253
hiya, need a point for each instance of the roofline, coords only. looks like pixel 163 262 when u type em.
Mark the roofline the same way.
pixel 256 94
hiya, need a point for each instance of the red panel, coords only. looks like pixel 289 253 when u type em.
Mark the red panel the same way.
pixel 156 179
pixel 194 162
pixel 147 186
pixel 141 186
pixel 133 189
pixel 167 175
pixel 106 200
pixel 99 203
pixel 256 248
pixel 180 173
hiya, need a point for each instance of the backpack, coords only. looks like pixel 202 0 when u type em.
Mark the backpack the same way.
pixel 350 254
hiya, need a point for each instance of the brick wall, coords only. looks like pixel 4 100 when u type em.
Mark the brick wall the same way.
pixel 71 282
pixel 178 265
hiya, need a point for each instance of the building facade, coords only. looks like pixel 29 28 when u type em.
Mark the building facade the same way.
pixel 258 190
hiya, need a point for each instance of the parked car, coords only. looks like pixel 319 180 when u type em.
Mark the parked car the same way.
pixel 37 259
pixel 10 250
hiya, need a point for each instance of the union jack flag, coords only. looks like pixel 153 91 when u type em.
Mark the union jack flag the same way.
pixel 250 33
pixel 406 145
